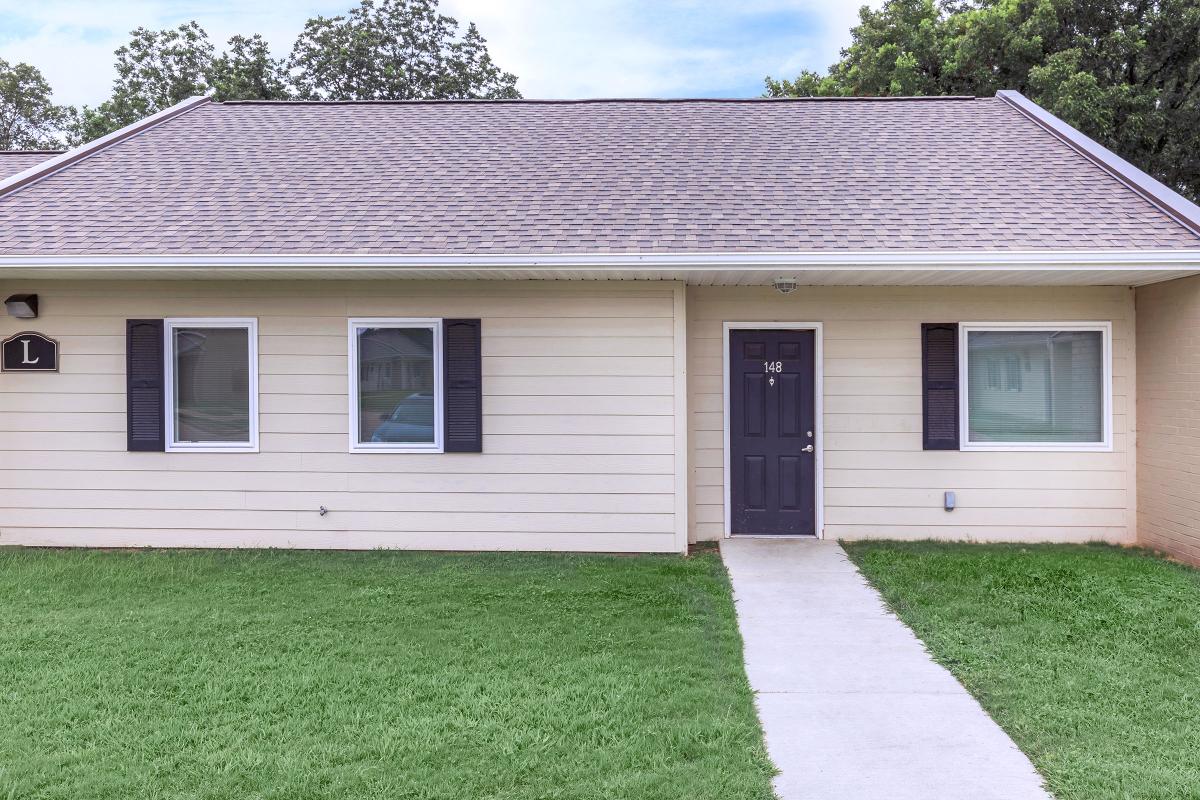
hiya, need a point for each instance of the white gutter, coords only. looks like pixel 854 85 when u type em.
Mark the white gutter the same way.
pixel 50 166
pixel 681 262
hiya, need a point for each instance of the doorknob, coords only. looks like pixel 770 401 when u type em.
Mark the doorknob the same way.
pixel 808 449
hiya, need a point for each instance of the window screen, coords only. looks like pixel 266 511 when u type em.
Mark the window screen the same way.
pixel 1035 387
pixel 210 385
pixel 396 385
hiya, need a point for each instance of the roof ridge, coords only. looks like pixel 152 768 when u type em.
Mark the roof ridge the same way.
pixel 65 159
pixel 30 152
pixel 597 100
pixel 1149 188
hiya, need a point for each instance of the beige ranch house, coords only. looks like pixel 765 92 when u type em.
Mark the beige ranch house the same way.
pixel 596 326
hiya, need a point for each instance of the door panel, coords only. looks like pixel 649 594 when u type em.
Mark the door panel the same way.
pixel 789 390
pixel 755 415
pixel 772 420
pixel 789 483
pixel 755 472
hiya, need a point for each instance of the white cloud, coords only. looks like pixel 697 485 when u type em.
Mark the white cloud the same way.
pixel 591 48
pixel 576 48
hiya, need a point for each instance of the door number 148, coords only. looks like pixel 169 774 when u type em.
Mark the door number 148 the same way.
pixel 772 366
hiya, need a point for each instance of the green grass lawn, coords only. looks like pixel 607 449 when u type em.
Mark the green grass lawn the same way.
pixel 371 675
pixel 1089 656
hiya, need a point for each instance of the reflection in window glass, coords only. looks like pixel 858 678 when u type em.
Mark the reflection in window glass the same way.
pixel 1035 386
pixel 395 385
pixel 211 384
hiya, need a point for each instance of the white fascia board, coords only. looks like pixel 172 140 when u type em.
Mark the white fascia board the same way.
pixel 1155 191
pixel 1101 260
pixel 52 165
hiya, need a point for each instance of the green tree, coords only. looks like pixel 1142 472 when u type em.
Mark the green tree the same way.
pixel 1125 72
pixel 246 71
pixel 156 70
pixel 385 50
pixel 395 50
pixel 29 119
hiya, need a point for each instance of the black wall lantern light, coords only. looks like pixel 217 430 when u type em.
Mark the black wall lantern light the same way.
pixel 22 306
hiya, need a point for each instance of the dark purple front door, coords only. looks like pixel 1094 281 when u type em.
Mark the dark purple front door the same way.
pixel 772 444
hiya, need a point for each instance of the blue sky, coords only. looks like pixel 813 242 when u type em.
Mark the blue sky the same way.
pixel 557 48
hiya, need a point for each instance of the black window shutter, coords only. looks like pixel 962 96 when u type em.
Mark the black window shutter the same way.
pixel 144 384
pixel 462 385
pixel 939 370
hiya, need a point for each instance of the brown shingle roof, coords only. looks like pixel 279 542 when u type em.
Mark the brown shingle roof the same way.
pixel 14 161
pixel 584 177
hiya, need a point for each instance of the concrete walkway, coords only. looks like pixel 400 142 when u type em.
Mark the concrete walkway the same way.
pixel 852 705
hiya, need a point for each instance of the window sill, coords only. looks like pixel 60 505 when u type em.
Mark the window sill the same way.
pixel 395 450
pixel 1037 448
pixel 209 448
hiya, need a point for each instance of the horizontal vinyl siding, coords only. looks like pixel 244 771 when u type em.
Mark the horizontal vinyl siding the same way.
pixel 1168 342
pixel 879 482
pixel 579 424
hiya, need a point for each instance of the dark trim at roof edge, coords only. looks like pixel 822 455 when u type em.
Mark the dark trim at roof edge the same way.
pixel 1158 194
pixel 526 101
pixel 45 168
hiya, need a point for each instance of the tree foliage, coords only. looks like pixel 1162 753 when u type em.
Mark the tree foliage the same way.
pixel 379 50
pixel 158 69
pixel 1125 72
pixel 29 119
pixel 395 50
pixel 246 71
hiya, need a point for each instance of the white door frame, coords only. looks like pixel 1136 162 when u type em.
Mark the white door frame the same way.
pixel 818 432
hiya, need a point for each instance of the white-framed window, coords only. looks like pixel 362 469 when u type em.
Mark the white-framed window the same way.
pixel 1035 385
pixel 211 381
pixel 395 385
